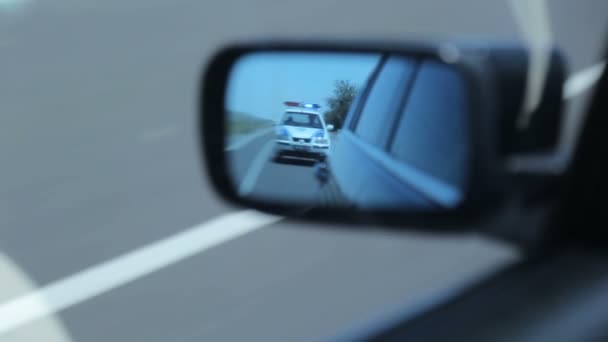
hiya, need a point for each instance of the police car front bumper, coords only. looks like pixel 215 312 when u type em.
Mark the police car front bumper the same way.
pixel 301 150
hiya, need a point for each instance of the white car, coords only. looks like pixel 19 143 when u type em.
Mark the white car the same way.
pixel 302 133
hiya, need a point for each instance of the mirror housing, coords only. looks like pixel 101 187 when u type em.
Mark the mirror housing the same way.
pixel 495 75
pixel 330 127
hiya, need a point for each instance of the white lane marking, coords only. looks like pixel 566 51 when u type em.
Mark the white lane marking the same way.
pixel 14 283
pixel 533 19
pixel 584 79
pixel 129 267
pixel 247 139
pixel 255 170
pixel 158 133
pixel 557 163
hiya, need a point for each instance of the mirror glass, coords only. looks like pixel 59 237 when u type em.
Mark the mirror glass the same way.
pixel 367 131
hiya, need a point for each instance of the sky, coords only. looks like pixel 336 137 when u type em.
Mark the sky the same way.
pixel 260 82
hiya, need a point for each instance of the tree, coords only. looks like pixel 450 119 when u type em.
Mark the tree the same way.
pixel 339 103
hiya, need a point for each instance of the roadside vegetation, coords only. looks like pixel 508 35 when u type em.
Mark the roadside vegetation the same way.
pixel 243 123
pixel 339 103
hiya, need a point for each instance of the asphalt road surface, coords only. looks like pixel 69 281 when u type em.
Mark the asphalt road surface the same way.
pixel 99 158
pixel 258 173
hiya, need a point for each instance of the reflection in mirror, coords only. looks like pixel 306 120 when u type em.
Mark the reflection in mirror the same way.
pixel 348 130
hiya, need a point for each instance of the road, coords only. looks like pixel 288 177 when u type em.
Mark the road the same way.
pixel 99 158
pixel 257 173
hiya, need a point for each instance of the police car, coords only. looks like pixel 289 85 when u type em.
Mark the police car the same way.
pixel 302 132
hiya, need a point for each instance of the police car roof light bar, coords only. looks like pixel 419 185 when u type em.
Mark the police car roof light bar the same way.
pixel 301 104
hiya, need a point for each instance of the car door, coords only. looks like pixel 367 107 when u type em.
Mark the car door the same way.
pixel 406 147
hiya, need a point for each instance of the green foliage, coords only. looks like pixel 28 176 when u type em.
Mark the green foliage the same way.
pixel 339 103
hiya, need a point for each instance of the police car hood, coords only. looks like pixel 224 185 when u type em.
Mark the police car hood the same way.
pixel 303 132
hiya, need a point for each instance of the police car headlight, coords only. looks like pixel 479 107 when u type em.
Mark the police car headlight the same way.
pixel 282 134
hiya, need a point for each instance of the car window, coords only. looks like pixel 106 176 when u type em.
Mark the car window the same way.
pixel 302 120
pixel 351 116
pixel 432 131
pixel 382 103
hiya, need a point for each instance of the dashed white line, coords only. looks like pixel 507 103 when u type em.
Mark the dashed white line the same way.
pixel 557 163
pixel 583 80
pixel 533 19
pixel 255 170
pixel 159 133
pixel 129 267
pixel 16 282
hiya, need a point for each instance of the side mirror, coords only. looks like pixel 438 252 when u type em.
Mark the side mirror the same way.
pixel 426 128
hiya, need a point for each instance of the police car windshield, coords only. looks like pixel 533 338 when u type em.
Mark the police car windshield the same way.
pixel 302 120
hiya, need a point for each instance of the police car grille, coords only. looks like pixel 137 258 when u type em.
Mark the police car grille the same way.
pixel 301 140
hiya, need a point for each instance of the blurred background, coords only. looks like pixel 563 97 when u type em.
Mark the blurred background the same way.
pixel 99 157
